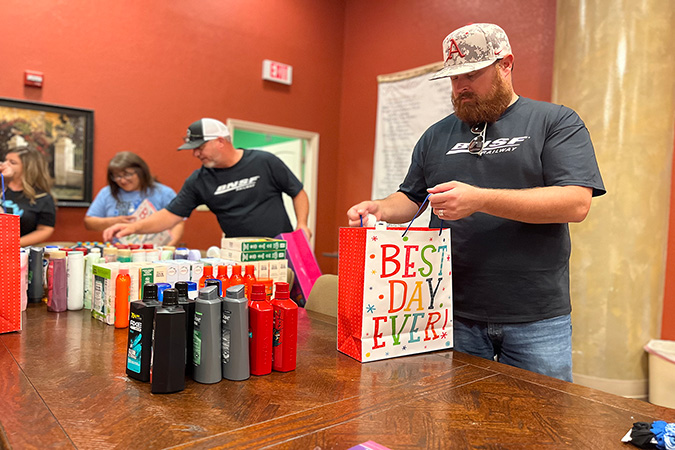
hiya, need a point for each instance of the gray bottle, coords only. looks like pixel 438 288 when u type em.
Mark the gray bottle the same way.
pixel 207 335
pixel 235 334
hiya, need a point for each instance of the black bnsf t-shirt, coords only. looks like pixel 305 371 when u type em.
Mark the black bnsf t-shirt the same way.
pixel 246 198
pixel 43 212
pixel 503 270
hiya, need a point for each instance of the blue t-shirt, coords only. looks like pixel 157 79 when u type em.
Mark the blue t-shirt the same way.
pixel 105 205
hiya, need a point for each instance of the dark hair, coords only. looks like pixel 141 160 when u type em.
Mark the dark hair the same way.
pixel 129 160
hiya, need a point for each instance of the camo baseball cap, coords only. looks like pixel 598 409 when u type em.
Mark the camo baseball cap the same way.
pixel 472 47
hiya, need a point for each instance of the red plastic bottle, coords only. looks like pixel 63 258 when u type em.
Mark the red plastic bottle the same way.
pixel 206 274
pixel 122 284
pixel 285 337
pixel 236 277
pixel 224 279
pixel 260 324
pixel 249 278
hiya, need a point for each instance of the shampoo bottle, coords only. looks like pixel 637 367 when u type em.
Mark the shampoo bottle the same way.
pixel 168 360
pixel 188 305
pixel 285 339
pixel 59 286
pixel 141 319
pixel 236 277
pixel 35 275
pixel 235 334
pixel 206 274
pixel 207 334
pixel 122 289
pixel 75 277
pixel 215 282
pixel 260 322
pixel 249 278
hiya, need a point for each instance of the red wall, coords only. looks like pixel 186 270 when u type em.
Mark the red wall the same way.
pixel 150 68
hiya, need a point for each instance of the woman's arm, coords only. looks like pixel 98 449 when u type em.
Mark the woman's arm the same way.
pixel 101 223
pixel 41 234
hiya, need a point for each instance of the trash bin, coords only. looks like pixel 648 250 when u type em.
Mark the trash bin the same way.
pixel 661 372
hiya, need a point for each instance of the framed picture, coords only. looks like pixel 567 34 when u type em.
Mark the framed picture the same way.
pixel 64 135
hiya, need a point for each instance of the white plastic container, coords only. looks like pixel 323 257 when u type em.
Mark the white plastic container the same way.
pixel 661 372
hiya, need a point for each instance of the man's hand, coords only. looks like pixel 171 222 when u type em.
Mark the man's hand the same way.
pixel 305 229
pixel 455 200
pixel 360 211
pixel 117 231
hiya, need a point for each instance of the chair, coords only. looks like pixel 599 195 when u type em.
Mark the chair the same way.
pixel 324 295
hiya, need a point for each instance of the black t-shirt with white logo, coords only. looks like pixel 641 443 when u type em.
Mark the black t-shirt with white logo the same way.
pixel 504 270
pixel 246 198
pixel 42 212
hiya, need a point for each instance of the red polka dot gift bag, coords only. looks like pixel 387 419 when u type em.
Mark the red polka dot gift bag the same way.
pixel 394 291
pixel 10 274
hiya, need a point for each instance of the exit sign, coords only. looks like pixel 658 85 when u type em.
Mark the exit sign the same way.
pixel 278 72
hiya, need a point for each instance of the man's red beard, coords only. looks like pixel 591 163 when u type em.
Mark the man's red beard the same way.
pixel 486 109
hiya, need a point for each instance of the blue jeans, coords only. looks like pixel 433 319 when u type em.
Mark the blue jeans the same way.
pixel 544 346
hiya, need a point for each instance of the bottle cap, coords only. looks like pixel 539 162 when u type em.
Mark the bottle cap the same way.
pixel 161 287
pixel 150 291
pixel 238 291
pixel 258 292
pixel 214 282
pixel 170 297
pixel 248 269
pixel 208 270
pixel 123 271
pixel 194 254
pixel 182 288
pixel 208 293
pixel 281 290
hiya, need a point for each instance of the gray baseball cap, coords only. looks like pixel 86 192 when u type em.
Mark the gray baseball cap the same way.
pixel 202 131
pixel 472 47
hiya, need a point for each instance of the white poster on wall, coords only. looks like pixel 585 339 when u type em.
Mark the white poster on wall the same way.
pixel 407 104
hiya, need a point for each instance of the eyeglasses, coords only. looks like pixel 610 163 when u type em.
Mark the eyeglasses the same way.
pixel 123 176
pixel 476 144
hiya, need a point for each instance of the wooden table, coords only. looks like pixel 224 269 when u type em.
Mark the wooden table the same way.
pixel 62 385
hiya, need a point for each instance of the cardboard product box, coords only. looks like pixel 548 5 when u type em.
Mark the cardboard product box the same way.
pixel 135 276
pixel 278 270
pixel 252 256
pixel 160 272
pixel 171 272
pixel 254 244
pixel 196 270
pixel 103 292
pixel 263 270
pixel 184 269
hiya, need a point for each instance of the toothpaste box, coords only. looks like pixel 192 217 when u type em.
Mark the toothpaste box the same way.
pixel 103 292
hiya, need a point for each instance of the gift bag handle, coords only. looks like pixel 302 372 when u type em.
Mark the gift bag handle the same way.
pixel 440 230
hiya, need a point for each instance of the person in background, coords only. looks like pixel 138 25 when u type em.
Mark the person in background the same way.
pixel 129 183
pixel 28 194
pixel 506 174
pixel 243 188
